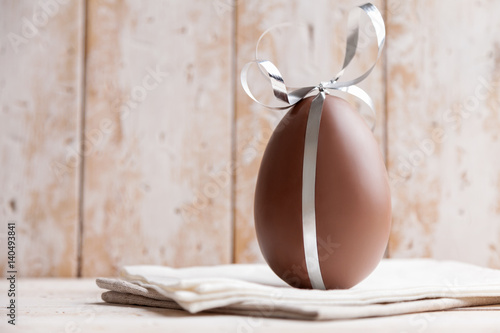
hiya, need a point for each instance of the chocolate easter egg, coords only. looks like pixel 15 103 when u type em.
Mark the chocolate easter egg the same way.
pixel 352 198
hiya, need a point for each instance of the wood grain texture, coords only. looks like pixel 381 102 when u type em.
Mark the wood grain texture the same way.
pixel 41 59
pixel 75 305
pixel 158 127
pixel 162 90
pixel 307 53
pixel 443 129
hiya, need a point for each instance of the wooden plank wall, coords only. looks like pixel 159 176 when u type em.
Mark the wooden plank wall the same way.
pixel 156 184
pixel 443 99
pixel 41 61
pixel 126 137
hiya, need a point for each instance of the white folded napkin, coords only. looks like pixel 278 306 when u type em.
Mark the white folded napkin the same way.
pixel 397 286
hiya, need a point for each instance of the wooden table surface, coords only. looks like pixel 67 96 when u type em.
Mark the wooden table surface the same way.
pixel 71 305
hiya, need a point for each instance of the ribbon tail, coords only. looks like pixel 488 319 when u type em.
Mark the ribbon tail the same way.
pixel 308 192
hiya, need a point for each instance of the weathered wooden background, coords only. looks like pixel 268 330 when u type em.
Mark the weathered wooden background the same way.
pixel 126 137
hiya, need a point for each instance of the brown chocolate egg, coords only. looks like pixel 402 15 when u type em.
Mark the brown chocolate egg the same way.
pixel 352 198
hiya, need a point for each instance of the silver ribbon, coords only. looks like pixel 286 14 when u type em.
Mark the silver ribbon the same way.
pixel 313 120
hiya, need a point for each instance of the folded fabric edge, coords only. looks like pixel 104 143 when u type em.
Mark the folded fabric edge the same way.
pixel 131 299
pixel 228 299
pixel 200 289
pixel 407 307
pixel 123 286
pixel 194 302
pixel 115 297
pixel 321 313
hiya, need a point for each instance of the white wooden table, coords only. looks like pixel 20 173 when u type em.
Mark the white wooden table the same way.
pixel 71 305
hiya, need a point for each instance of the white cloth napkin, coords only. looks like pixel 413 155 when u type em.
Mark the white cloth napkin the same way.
pixel 397 286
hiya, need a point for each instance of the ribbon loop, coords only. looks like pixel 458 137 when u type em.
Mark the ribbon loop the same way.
pixel 279 87
pixel 281 93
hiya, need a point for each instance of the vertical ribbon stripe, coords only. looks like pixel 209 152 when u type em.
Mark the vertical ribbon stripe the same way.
pixel 308 192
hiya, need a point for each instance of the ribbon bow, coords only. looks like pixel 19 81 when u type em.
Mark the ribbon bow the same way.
pixel 313 120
